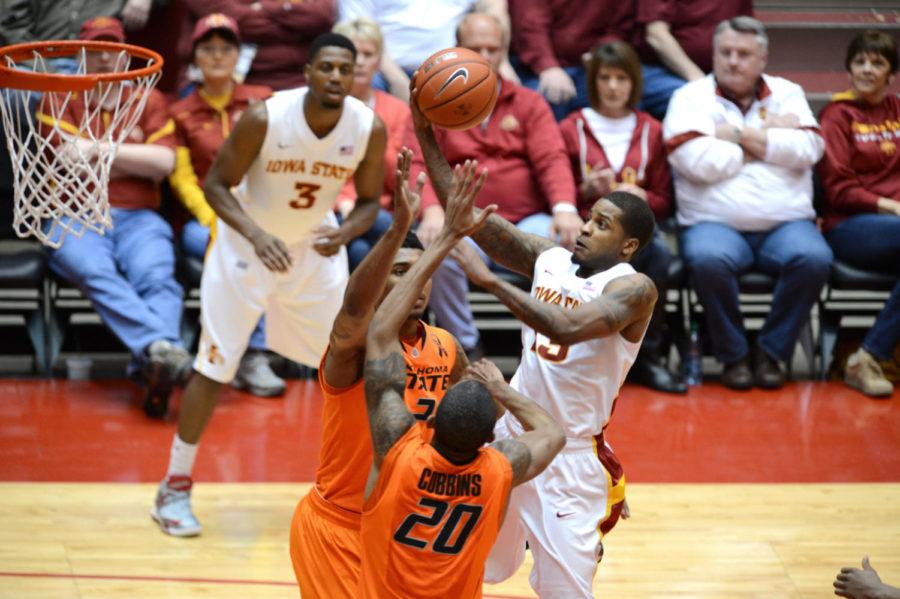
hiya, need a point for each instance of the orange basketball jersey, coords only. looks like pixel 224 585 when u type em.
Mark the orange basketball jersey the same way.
pixel 429 524
pixel 345 455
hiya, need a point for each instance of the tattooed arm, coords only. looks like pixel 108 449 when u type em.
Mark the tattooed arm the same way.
pixel 530 453
pixel 385 370
pixel 624 306
pixel 500 239
pixel 345 359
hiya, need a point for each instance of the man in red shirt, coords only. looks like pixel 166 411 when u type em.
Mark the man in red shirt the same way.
pixel 531 181
pixel 129 272
pixel 550 38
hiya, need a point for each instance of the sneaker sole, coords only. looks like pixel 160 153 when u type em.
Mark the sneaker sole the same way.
pixel 185 532
pixel 859 388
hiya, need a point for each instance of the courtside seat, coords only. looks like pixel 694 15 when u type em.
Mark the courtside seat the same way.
pixel 850 292
pixel 23 271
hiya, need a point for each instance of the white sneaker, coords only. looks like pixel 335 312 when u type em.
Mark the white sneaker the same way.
pixel 863 372
pixel 255 376
pixel 172 508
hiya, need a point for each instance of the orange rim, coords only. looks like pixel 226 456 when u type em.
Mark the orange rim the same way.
pixel 45 82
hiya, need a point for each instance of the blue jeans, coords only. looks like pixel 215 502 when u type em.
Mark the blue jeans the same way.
pixel 194 240
pixel 359 248
pixel 659 85
pixel 450 287
pixel 579 77
pixel 872 242
pixel 794 252
pixel 129 276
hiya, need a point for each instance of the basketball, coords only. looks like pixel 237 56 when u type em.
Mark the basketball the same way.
pixel 457 88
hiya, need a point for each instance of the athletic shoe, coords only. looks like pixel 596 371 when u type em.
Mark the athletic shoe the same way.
pixel 255 376
pixel 169 361
pixel 172 509
pixel 864 373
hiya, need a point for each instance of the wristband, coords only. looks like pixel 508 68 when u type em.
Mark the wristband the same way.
pixel 564 207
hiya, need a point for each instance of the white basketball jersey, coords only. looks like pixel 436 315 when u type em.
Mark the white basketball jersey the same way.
pixel 579 383
pixel 292 185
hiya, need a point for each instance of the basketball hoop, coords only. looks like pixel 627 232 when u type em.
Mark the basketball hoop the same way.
pixel 61 168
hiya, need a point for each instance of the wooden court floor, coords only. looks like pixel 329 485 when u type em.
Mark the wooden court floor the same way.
pixel 733 495
pixel 96 541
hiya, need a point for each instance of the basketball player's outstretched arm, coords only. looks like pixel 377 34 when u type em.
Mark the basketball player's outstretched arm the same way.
pixel 385 370
pixel 347 344
pixel 533 451
pixel 499 238
pixel 231 164
pixel 624 306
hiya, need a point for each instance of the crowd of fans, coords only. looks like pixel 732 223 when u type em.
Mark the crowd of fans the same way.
pixel 667 99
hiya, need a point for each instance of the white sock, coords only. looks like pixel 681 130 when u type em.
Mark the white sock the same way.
pixel 181 458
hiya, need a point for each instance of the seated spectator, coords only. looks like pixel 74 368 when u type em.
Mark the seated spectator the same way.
pixel 366 36
pixel 129 272
pixel 413 32
pixel 861 177
pixel 277 34
pixel 530 180
pixel 742 145
pixel 613 147
pixel 676 43
pixel 202 122
pixel 551 37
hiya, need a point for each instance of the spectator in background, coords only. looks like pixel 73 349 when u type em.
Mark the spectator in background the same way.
pixel 550 38
pixel 613 147
pixel 676 43
pixel 742 145
pixel 861 177
pixel 413 31
pixel 36 20
pixel 279 30
pixel 202 122
pixel 366 36
pixel 129 273
pixel 530 180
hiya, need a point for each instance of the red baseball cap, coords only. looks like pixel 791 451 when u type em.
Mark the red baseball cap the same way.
pixel 215 21
pixel 100 28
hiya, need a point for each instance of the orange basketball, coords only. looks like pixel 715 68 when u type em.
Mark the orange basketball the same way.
pixel 457 88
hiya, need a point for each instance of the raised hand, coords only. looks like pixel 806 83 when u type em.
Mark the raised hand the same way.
pixel 406 202
pixel 419 120
pixel 484 371
pixel 460 217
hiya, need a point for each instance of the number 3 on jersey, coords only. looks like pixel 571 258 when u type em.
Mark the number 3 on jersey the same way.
pixel 306 195
pixel 441 544
pixel 549 351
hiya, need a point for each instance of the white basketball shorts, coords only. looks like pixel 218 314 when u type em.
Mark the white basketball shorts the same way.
pixel 237 288
pixel 562 513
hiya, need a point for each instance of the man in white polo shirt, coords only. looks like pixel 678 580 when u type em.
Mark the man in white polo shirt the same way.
pixel 742 145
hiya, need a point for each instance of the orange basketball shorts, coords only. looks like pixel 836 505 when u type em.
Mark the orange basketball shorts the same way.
pixel 325 549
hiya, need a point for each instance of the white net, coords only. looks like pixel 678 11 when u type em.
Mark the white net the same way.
pixel 63 145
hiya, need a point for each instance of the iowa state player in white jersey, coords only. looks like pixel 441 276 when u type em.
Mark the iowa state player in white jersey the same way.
pixel 583 325
pixel 278 250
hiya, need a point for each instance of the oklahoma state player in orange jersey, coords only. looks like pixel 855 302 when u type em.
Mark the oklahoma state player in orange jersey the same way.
pixel 438 505
pixel 325 528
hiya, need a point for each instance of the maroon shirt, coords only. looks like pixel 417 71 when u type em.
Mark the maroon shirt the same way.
pixel 555 33
pixel 281 29
pixel 692 23
pixel 862 155
pixel 523 151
